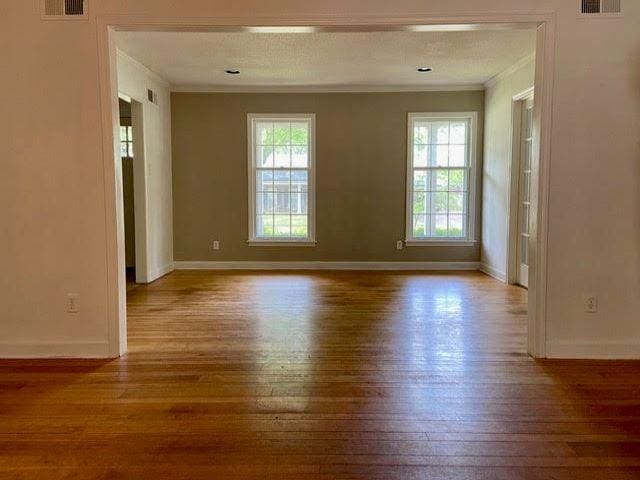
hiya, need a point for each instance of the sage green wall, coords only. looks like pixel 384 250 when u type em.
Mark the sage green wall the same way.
pixel 361 155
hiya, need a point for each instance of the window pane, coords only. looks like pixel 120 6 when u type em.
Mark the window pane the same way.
pixel 419 226
pixel 456 203
pixel 299 226
pixel 265 157
pixel 130 147
pixel 524 250
pixel 300 157
pixel 299 181
pixel 526 181
pixel 440 226
pixel 282 225
pixel 282 133
pixel 264 181
pixel 442 180
pixel 457 157
pixel 441 132
pixel 456 180
pixel 528 122
pixel 123 134
pixel 264 133
pixel 456 226
pixel 525 219
pixel 420 155
pixel 439 156
pixel 421 133
pixel 440 202
pixel 299 134
pixel 526 162
pixel 264 203
pixel 264 225
pixel 458 133
pixel 420 181
pixel 282 179
pixel 123 149
pixel 282 204
pixel 299 203
pixel 419 202
pixel 282 157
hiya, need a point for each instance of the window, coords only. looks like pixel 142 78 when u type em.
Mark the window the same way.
pixel 126 141
pixel 440 178
pixel 281 179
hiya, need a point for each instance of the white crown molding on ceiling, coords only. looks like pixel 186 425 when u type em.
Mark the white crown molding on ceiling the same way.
pixel 325 89
pixel 513 68
pixel 143 68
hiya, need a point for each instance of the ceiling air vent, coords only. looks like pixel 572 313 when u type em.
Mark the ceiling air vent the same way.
pixel 600 8
pixel 64 9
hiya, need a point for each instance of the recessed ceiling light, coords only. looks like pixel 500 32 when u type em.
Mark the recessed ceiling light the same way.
pixel 232 72
pixel 424 69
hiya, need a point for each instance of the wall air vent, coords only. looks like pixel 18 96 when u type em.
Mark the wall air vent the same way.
pixel 152 96
pixel 64 9
pixel 600 8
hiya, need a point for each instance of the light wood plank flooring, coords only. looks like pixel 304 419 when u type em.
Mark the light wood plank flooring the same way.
pixel 332 375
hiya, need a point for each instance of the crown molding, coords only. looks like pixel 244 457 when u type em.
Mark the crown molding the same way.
pixel 509 71
pixel 325 88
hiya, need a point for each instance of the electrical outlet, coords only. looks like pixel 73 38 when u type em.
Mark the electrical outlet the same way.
pixel 590 304
pixel 73 302
pixel 399 245
pixel 215 245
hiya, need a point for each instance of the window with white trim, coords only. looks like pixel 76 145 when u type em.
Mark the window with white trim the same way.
pixel 281 178
pixel 126 141
pixel 440 178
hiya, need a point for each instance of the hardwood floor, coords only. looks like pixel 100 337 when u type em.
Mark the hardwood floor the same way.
pixel 333 375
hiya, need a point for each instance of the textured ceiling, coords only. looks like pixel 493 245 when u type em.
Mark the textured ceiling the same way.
pixel 331 60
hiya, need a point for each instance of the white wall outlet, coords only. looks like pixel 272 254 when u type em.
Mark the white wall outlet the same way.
pixel 215 245
pixel 73 303
pixel 399 245
pixel 590 303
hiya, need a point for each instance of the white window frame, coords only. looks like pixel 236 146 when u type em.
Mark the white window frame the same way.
pixel 310 240
pixel 470 239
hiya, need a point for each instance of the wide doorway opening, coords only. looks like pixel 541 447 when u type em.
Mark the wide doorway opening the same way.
pixel 267 161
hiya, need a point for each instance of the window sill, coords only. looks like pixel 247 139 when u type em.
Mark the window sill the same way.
pixel 281 243
pixel 440 243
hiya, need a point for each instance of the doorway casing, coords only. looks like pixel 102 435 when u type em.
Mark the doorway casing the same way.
pixel 544 22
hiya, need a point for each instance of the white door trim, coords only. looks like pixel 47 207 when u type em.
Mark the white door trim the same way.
pixel 545 63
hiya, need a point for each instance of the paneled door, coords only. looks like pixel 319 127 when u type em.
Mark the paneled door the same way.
pixel 524 192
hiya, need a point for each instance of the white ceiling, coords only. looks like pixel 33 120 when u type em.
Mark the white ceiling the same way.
pixel 367 60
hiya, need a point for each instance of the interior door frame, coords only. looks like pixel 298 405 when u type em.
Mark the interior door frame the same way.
pixel 140 187
pixel 514 183
pixel 543 21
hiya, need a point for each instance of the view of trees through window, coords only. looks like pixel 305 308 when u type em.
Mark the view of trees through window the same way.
pixel 282 169
pixel 440 170
pixel 126 141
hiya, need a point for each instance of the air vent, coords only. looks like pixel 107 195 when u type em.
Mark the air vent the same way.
pixel 600 8
pixel 152 96
pixel 64 9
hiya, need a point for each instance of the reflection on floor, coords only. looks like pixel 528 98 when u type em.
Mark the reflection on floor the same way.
pixel 334 375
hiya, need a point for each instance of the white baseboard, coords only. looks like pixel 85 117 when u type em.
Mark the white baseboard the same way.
pixel 432 266
pixel 606 350
pixel 492 272
pixel 26 350
pixel 160 272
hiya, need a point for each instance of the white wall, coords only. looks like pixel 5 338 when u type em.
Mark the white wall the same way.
pixel 157 207
pixel 52 196
pixel 497 160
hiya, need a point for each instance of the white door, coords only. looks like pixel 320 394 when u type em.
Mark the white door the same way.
pixel 524 192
